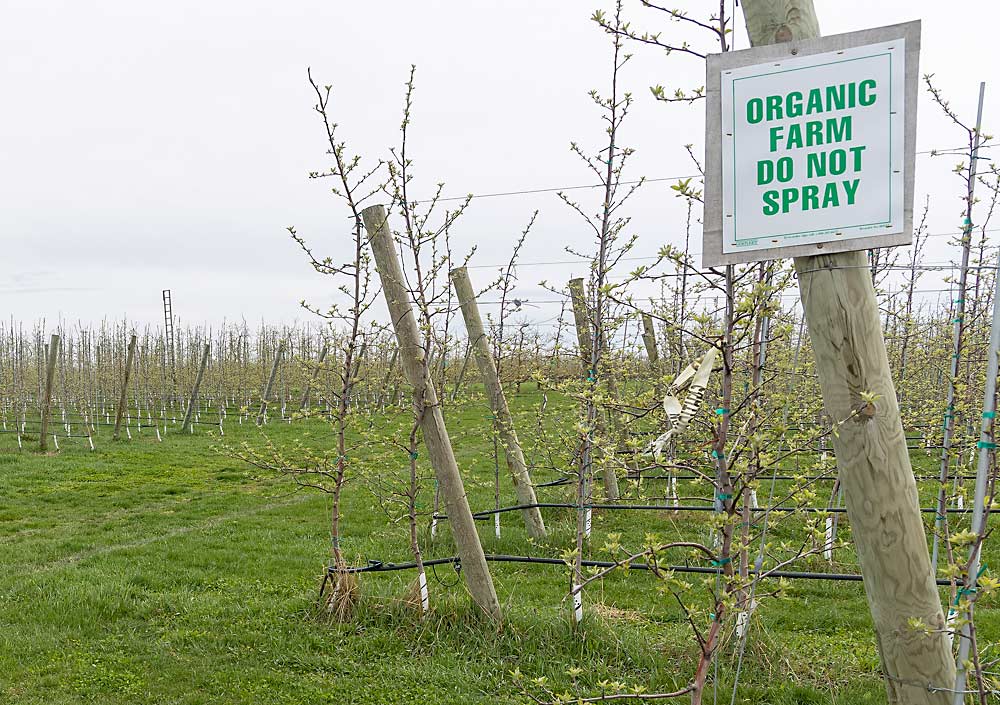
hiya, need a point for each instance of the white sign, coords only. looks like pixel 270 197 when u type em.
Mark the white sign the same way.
pixel 813 147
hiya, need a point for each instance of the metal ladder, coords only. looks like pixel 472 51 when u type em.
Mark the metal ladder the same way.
pixel 168 328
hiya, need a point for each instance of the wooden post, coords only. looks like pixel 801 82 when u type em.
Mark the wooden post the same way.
pixel 50 373
pixel 461 371
pixel 193 401
pixel 585 339
pixel 265 396
pixel 312 378
pixel 649 339
pixel 411 355
pixel 385 382
pixel 498 403
pixel 582 322
pixel 872 459
pixel 122 400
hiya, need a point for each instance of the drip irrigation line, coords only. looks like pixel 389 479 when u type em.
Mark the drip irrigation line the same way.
pixel 375 566
pixel 487 513
pixel 805 478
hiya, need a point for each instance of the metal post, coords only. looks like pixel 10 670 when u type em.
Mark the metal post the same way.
pixel 959 330
pixel 986 450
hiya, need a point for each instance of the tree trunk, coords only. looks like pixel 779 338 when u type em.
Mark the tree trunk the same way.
pixel 872 459
pixel 585 338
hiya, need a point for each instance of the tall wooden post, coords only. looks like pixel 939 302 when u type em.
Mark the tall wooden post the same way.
pixel 50 373
pixel 265 396
pixel 503 421
pixel 193 401
pixel 312 377
pixel 461 371
pixel 585 339
pixel 123 399
pixel 581 321
pixel 388 376
pixel 411 354
pixel 872 459
pixel 649 339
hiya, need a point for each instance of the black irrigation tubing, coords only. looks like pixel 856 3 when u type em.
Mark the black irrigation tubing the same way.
pixel 807 478
pixel 374 566
pixel 486 513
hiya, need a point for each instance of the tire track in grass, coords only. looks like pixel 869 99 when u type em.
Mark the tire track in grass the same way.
pixel 203 525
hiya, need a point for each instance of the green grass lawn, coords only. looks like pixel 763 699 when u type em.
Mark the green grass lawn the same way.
pixel 149 572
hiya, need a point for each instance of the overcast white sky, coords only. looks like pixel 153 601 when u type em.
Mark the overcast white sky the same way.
pixel 166 145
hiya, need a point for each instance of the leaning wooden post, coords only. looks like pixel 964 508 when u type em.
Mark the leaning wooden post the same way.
pixel 585 339
pixel 498 403
pixel 461 371
pixel 50 372
pixel 123 399
pixel 193 401
pixel 312 378
pixel 649 339
pixel 388 375
pixel 411 355
pixel 581 320
pixel 266 395
pixel 872 458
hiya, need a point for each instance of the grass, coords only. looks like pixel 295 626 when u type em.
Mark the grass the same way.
pixel 167 573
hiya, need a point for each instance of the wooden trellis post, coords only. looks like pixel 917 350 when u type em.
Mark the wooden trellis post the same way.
pixel 123 399
pixel 503 421
pixel 842 314
pixel 442 457
pixel 312 378
pixel 193 401
pixel 266 395
pixel 50 373
pixel 649 339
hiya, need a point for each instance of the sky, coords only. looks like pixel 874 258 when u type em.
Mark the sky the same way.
pixel 148 146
